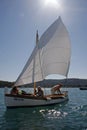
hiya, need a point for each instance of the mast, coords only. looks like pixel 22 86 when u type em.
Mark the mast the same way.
pixel 37 40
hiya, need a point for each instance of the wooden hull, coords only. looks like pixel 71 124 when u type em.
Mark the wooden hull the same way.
pixel 13 101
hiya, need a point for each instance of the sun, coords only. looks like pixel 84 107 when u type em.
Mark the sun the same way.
pixel 52 3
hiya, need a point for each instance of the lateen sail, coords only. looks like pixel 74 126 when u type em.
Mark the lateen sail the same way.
pixel 50 56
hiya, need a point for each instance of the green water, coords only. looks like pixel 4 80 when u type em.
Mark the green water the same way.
pixel 71 115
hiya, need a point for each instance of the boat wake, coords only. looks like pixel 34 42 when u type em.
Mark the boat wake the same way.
pixel 53 114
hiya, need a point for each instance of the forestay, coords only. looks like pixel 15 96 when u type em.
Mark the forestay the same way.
pixel 50 56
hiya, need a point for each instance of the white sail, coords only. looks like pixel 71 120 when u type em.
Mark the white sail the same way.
pixel 50 56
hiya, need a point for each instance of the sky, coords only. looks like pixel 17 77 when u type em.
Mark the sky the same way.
pixel 19 21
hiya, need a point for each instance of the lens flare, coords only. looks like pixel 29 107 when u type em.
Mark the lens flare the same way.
pixel 52 3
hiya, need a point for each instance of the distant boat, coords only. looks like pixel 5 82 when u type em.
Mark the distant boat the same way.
pixel 51 55
pixel 83 88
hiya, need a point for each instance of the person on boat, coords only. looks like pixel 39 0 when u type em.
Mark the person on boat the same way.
pixel 39 92
pixel 14 90
pixel 56 88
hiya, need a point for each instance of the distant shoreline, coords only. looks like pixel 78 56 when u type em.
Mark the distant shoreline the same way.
pixel 6 84
pixel 69 83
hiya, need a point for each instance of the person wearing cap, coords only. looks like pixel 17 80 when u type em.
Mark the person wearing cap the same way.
pixel 39 92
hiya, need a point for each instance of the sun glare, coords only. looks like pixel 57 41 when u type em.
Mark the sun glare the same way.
pixel 52 3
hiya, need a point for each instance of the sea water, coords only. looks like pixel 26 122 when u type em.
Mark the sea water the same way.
pixel 71 115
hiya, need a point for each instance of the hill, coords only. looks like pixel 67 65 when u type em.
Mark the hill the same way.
pixel 5 83
pixel 70 82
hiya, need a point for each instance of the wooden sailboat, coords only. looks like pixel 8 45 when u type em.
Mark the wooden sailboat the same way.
pixel 51 55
